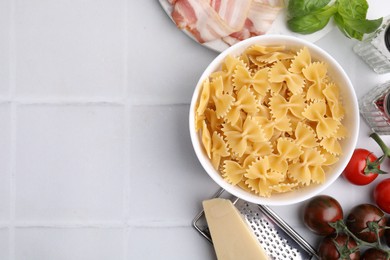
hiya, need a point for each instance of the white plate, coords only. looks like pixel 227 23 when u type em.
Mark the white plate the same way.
pixel 278 27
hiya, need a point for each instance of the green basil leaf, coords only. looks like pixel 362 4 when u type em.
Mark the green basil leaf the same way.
pixel 353 9
pixel 346 29
pixel 340 24
pixel 303 7
pixel 307 24
pixel 363 26
pixel 351 18
pixel 312 22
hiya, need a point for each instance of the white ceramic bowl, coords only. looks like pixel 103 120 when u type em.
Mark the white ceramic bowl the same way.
pixel 350 121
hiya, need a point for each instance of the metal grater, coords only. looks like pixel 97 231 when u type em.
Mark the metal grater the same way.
pixel 279 240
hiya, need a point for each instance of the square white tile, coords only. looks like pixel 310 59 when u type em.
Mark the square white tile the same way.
pixel 174 243
pixel 5 25
pixel 5 161
pixel 167 183
pixel 173 66
pixel 70 162
pixel 70 48
pixel 69 244
pixel 4 244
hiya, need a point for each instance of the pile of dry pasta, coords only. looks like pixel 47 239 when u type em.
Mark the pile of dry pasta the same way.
pixel 271 119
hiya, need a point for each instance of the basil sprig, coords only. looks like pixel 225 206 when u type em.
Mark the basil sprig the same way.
pixel 308 16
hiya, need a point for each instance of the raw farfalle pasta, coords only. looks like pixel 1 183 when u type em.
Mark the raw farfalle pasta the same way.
pixel 270 120
pixel 315 73
pixel 280 73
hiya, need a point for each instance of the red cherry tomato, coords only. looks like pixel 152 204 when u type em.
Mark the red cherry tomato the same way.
pixel 382 195
pixel 359 171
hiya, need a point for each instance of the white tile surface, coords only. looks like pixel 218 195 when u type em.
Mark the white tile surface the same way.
pixel 70 162
pixel 69 244
pixel 4 244
pixel 168 176
pixel 5 25
pixel 70 48
pixel 5 161
pixel 168 243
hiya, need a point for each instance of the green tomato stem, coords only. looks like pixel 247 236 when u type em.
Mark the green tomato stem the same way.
pixel 341 227
pixel 382 145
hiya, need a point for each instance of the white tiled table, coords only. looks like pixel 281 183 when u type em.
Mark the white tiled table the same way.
pixel 95 156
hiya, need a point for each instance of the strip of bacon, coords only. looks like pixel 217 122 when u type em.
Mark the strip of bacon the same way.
pixel 208 20
pixel 262 14
pixel 230 20
pixel 260 18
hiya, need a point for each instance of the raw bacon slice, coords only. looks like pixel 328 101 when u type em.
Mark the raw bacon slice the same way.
pixel 230 20
pixel 260 18
pixel 262 14
pixel 206 23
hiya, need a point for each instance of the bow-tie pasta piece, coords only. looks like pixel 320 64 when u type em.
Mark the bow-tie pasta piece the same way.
pixel 260 177
pixel 305 136
pixel 259 81
pixel 261 148
pixel 223 102
pixel 246 101
pixel 284 186
pixel 199 121
pixel 229 65
pixel 287 150
pixel 204 97
pixel 332 95
pixel 273 57
pixel 308 168
pixel 326 127
pixel 238 139
pixel 234 172
pixel 213 122
pixel 270 125
pixel 329 157
pixel 261 49
pixel 279 73
pixel 219 149
pixel 332 145
pixel 316 74
pixel 300 61
pixel 280 106
pixel 206 139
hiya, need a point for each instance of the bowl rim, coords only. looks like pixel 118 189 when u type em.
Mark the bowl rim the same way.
pixel 234 189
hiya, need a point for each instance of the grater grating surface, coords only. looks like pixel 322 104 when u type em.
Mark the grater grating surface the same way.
pixel 278 239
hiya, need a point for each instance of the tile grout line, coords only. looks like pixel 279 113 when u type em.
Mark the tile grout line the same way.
pixel 12 90
pixel 12 191
pixel 126 188
pixel 65 101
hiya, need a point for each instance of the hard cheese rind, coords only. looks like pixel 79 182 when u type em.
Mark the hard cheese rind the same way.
pixel 232 237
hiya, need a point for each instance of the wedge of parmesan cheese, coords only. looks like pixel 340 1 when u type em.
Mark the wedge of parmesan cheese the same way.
pixel 231 235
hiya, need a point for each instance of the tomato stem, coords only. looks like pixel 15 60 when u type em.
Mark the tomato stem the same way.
pixel 373 226
pixel 382 145
pixel 373 167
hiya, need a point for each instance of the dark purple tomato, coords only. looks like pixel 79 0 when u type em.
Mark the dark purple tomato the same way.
pixel 387 233
pixel 319 211
pixel 363 218
pixel 334 247
pixel 374 254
